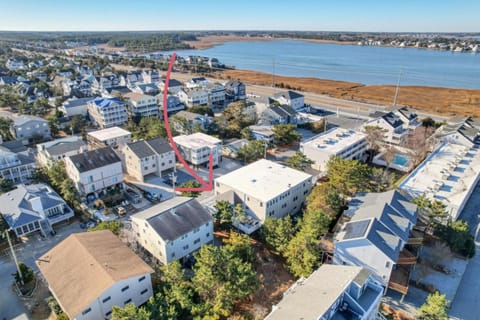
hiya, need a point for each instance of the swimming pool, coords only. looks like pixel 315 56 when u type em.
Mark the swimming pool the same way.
pixel 400 159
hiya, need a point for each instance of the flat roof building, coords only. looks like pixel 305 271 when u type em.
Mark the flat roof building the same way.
pixel 347 144
pixel 449 174
pixel 266 188
pixel 111 137
pixel 196 148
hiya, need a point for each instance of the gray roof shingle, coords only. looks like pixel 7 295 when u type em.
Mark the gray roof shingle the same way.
pixel 94 159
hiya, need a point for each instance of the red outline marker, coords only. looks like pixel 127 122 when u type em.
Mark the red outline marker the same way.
pixel 206 186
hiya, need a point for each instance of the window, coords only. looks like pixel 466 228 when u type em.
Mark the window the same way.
pixel 173 254
pixel 387 265
pixel 125 288
pixel 127 301
pixel 86 311
pixel 144 291
pixel 208 234
pixel 185 247
pixel 108 313
pixel 106 299
pixel 141 279
pixel 196 241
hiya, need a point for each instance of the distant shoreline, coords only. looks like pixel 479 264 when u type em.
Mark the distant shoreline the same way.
pixel 441 100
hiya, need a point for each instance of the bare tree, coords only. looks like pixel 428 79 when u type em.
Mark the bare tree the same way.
pixel 375 138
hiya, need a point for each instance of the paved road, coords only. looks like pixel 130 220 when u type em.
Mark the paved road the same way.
pixel 466 304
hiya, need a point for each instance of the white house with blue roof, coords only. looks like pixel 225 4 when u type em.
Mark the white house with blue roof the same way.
pixel 31 208
pixel 376 237
pixel 107 112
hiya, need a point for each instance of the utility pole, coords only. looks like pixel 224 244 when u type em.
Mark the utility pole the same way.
pixel 14 256
pixel 397 88
pixel 273 72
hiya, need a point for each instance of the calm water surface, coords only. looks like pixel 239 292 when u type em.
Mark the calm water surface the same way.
pixel 368 65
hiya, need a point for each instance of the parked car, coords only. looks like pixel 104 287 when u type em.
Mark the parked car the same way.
pixel 121 211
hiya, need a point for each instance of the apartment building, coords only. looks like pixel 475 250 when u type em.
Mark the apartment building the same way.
pixel 265 188
pixel 173 229
pixel 107 112
pixel 347 144
pixel 152 156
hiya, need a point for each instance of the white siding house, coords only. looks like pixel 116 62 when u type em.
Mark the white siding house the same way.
pixel 173 229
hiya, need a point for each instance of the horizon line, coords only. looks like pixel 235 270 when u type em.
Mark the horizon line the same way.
pixel 237 30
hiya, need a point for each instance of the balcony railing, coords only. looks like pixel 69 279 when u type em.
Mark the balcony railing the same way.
pixel 399 279
pixel 406 258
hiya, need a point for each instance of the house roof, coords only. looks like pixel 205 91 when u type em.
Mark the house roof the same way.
pixel 172 83
pixel 94 159
pixel 150 147
pixel 283 111
pixel 391 208
pixel 313 297
pixel 14 146
pixel 190 116
pixel 264 179
pixel 23 119
pixel 290 95
pixel 135 96
pixel 119 89
pixel 392 119
pixel 109 133
pixel 107 102
pixel 84 265
pixel 175 217
pixel 373 231
pixel 17 208
pixel 408 113
pixel 72 103
pixel 63 147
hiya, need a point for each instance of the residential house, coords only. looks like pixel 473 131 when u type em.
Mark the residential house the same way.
pixel 173 229
pixel 88 273
pixel 131 79
pixel 16 162
pixel 74 106
pixel 107 112
pixel 336 142
pixel 290 98
pixel 262 132
pixel 173 104
pixel 13 64
pixel 265 189
pixel 146 88
pixel 213 63
pixel 58 149
pixel 331 292
pixel 197 147
pixel 104 82
pixel 30 129
pixel 449 174
pixel 231 149
pixel 192 120
pixel 235 90
pixel 409 118
pixel 193 97
pixel 460 130
pixel 279 114
pixel 377 235
pixel 31 208
pixel 151 76
pixel 216 95
pixel 152 156
pixel 96 171
pixel 116 92
pixel 395 129
pixel 197 82
pixel 174 86
pixel 114 137
pixel 141 105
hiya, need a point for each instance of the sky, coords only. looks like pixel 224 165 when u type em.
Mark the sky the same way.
pixel 311 15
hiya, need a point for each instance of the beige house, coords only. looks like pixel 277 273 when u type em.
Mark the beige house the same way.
pixel 89 273
pixel 265 188
pixel 153 156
